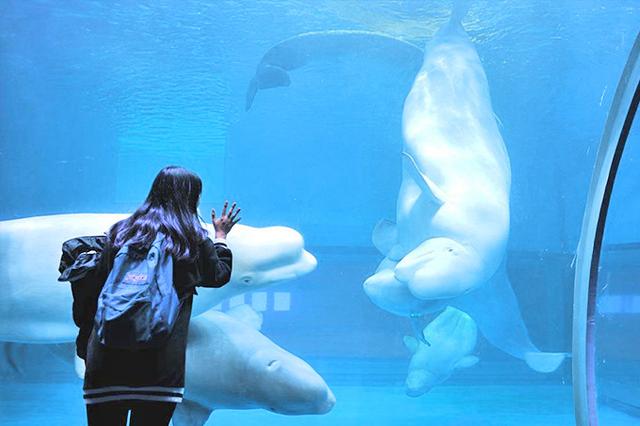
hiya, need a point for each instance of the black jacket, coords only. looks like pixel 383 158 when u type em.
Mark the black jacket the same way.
pixel 86 262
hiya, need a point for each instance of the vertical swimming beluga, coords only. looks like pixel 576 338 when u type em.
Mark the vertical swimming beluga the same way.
pixel 453 205
pixel 447 246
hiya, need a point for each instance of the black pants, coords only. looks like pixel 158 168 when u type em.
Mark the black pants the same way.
pixel 143 413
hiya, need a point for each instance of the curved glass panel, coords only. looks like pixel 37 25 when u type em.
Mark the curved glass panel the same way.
pixel 618 296
pixel 589 252
pixel 307 132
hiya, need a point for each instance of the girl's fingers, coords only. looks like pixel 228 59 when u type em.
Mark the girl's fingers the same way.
pixel 227 218
pixel 233 206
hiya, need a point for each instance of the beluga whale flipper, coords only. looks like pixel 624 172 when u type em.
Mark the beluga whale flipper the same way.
pixel 298 51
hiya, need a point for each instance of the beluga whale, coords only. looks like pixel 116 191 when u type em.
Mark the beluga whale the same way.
pixel 303 49
pixel 36 308
pixel 452 337
pixel 447 245
pixel 452 213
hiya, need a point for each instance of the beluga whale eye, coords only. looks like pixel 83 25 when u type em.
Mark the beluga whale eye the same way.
pixel 274 364
pixel 246 279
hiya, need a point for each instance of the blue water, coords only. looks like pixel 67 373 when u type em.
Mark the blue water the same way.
pixel 96 97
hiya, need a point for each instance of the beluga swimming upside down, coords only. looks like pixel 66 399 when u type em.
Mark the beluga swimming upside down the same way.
pixel 447 246
pixel 453 205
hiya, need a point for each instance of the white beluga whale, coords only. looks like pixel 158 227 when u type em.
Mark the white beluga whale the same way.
pixel 452 216
pixel 302 49
pixel 452 337
pixel 452 213
pixel 36 308
pixel 231 365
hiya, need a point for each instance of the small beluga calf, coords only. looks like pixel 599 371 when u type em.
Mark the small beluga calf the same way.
pixel 451 338
pixel 231 365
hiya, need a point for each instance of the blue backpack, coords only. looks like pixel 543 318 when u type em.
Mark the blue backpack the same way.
pixel 138 304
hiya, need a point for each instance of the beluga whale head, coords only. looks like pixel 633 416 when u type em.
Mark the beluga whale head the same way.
pixel 249 370
pixel 261 257
pixel 269 255
pixel 287 384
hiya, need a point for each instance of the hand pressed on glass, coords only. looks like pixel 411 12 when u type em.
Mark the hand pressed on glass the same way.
pixel 224 223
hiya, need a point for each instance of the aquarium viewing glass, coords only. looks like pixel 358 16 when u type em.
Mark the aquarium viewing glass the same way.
pixel 410 246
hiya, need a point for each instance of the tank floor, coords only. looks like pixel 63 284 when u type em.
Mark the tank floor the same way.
pixel 37 403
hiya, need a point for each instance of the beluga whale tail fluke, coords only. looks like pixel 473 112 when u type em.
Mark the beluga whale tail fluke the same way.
pixel 302 49
pixel 267 77
pixel 459 11
pixel 544 362
pixel 495 309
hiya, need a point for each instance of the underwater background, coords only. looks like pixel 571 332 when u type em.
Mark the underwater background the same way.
pixel 96 97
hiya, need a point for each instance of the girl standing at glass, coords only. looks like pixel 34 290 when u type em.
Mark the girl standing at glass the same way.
pixel 150 382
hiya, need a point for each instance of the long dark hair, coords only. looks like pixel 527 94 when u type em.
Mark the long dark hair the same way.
pixel 171 208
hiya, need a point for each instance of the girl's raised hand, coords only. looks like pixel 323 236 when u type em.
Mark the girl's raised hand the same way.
pixel 224 223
